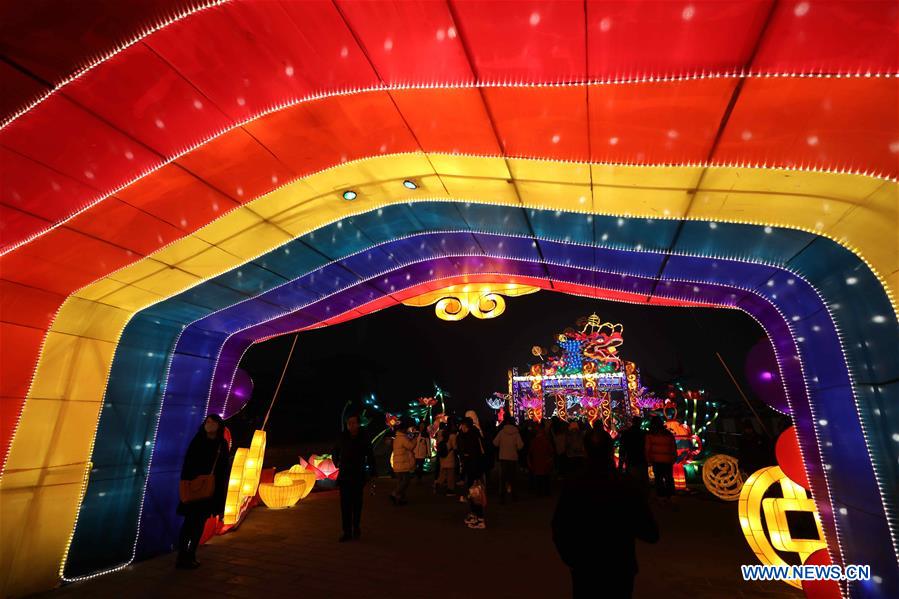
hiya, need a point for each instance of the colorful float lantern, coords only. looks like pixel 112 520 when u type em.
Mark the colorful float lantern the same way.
pixel 322 466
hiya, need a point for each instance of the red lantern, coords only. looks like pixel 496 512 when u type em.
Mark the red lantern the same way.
pixel 790 459
pixel 820 589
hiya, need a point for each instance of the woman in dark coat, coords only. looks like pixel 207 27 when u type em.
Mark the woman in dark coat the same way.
pixel 206 454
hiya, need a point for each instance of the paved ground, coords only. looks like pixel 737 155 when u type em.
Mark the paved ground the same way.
pixel 423 550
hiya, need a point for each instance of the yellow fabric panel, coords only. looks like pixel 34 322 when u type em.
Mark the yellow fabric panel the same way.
pixel 557 196
pixel 662 177
pixel 823 185
pixel 210 262
pixel 247 246
pixel 47 510
pixel 236 221
pixel 130 298
pixel 636 201
pixel 75 369
pixel 492 191
pixel 95 319
pixel 184 248
pixel 165 282
pixel 99 289
pixel 283 199
pixel 46 457
pixel 470 166
pixel 558 185
pixel 871 228
pixel 548 171
pixel 138 270
pixel 768 209
pixel 71 368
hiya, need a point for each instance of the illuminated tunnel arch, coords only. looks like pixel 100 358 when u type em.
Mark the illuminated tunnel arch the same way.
pixel 230 287
pixel 402 219
pixel 108 212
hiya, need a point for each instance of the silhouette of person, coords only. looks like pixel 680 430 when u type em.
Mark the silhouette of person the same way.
pixel 600 552
pixel 350 454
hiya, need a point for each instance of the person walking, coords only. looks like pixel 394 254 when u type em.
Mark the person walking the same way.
pixel 600 552
pixel 540 460
pixel 403 462
pixel 661 451
pixel 351 453
pixel 446 455
pixel 559 429
pixel 574 447
pixel 422 451
pixel 203 487
pixel 470 447
pixel 632 451
pixel 508 441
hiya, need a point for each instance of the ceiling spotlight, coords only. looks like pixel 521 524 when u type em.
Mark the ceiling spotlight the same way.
pixel 409 184
pixel 349 194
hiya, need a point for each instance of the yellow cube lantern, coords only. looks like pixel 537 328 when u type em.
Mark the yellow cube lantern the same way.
pixel 232 500
pixel 283 493
pixel 244 480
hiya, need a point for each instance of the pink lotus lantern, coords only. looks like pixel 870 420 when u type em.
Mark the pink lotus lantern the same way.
pixel 322 465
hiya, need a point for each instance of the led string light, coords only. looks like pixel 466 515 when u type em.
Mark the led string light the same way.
pixel 145 31
pixel 812 230
pixel 398 87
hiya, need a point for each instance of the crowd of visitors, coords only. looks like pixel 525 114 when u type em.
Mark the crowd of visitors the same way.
pixel 463 457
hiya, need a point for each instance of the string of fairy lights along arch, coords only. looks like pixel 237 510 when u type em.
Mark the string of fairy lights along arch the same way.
pixel 737 75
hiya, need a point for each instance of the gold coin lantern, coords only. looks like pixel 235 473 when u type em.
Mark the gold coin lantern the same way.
pixel 721 476
pixel 283 493
pixel 296 474
pixel 763 518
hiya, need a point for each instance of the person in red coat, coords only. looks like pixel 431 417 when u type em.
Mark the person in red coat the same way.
pixel 540 460
pixel 661 451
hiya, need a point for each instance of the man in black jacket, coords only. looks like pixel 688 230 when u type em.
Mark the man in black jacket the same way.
pixel 600 550
pixel 350 454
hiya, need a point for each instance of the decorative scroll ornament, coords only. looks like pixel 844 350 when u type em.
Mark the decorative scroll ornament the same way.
pixel 481 301
pixel 721 476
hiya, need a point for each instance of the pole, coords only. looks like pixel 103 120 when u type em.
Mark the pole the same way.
pixel 743 395
pixel 281 380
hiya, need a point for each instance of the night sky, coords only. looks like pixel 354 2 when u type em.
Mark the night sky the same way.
pixel 400 352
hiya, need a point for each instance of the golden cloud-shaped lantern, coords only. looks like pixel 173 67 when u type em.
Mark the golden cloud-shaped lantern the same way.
pixel 482 301
pixel 285 492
